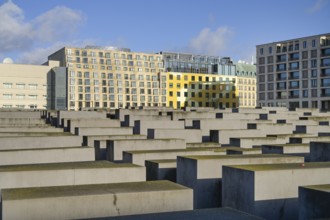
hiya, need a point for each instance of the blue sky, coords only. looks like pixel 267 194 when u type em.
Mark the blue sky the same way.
pixel 31 30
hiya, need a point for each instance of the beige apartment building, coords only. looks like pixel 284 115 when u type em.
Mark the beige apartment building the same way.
pixel 25 86
pixel 295 73
pixel 246 85
pixel 108 77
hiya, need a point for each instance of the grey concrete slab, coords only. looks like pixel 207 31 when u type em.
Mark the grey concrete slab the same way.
pixel 73 173
pixel 91 201
pixel 190 135
pixel 161 170
pixel 270 190
pixel 115 148
pixel 140 156
pixel 25 142
pixel 197 214
pixel 46 155
pixel 85 131
pixel 204 173
pixel 320 151
pixel 94 122
pixel 314 202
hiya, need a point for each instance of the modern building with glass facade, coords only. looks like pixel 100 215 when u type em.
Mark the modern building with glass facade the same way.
pixel 108 77
pixel 208 81
pixel 295 73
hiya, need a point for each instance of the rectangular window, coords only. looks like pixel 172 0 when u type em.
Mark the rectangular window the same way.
pixel 33 86
pixel 313 43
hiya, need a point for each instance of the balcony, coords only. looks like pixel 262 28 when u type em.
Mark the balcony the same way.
pixel 325 94
pixel 325 84
pixel 293 96
pixel 294 87
pixel 293 67
pixel 325 64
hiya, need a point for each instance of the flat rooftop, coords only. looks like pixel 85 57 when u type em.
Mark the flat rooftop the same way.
pixel 177 150
pixel 287 166
pixel 323 188
pixel 233 156
pixel 93 189
pixel 65 166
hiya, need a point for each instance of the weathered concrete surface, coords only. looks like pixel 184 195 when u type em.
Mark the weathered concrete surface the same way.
pixel 141 127
pixel 10 143
pixel 289 149
pixel 197 214
pixel 314 202
pixel 319 151
pixel 238 150
pixel 74 173
pixel 89 140
pixel 91 201
pixel 251 188
pixel 115 148
pixel 84 131
pixel 46 155
pixel 204 173
pixel 63 116
pixel 96 122
pixel 100 143
pixel 190 135
pixel 161 170
pixel 140 156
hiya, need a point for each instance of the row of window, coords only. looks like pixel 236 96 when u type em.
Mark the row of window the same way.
pixel 21 86
pixel 31 106
pixel 295 75
pixel 294 94
pixel 117 76
pixel 88 104
pixel 110 62
pixel 290 57
pixel 202 95
pixel 200 78
pixel 112 97
pixel 116 55
pixel 287 47
pixel 21 96
pixel 295 84
pixel 116 68
pixel 203 104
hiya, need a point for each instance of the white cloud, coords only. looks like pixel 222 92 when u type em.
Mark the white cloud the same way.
pixel 15 33
pixel 317 6
pixel 211 42
pixel 39 55
pixel 31 38
pixel 57 23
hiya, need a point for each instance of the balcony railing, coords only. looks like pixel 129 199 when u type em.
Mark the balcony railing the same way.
pixel 325 84
pixel 293 96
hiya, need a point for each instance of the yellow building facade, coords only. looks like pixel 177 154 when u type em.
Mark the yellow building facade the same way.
pixel 201 90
